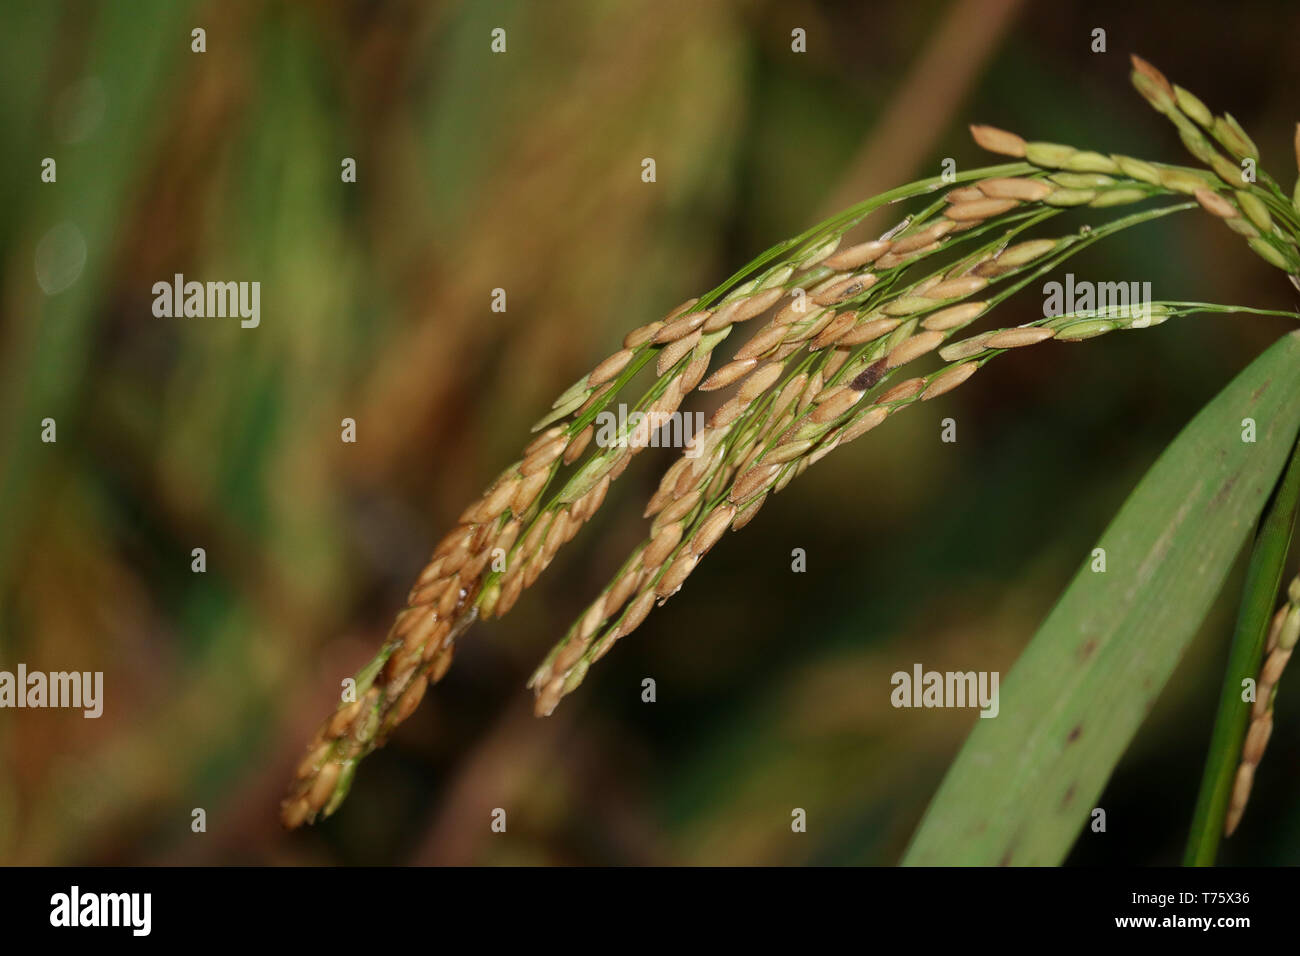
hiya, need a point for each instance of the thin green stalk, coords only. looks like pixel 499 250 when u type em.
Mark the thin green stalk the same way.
pixel 841 222
pixel 1259 595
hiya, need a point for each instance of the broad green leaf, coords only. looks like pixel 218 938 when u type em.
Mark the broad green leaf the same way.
pixel 1026 781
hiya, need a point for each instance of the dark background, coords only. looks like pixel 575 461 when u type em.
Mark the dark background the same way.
pixel 522 171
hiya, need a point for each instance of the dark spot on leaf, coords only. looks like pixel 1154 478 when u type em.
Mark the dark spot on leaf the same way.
pixel 1222 493
pixel 1006 857
pixel 1069 795
pixel 1088 649
pixel 1074 734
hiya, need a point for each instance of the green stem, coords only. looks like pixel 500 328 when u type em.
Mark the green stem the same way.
pixel 1259 595
pixel 843 221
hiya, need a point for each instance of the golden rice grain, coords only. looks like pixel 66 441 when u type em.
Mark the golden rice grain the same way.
pixel 587 504
pixel 322 788
pixel 953 316
pixel 831 333
pixel 869 331
pixel 592 619
pixel 788 394
pixel 409 700
pixel 542 439
pixel 544 456
pixel 679 328
pixel 712 530
pixel 676 575
pixel 680 310
pixel 664 406
pixel 979 209
pixel 1241 787
pixel 752 481
pixel 1029 190
pixel 906 305
pixel 901 391
pixel 802 331
pixel 787 452
pixel 594 399
pixel 762 342
pixel 641 335
pixel 624 587
pixel 1153 75
pixel 528 491
pixel 695 371
pixel 836 406
pixel 914 347
pixel 511 588
pixel 680 508
pixel 536 534
pixel 578 444
pixel 1024 252
pixel 835 362
pixel 760 381
pixel 949 379
pixel 1215 204
pixel 569 655
pixel 801 308
pixel 859 255
pixel 506 539
pixel 954 288
pixel 675 352
pixel 869 420
pixel 663 544
pixel 845 289
pixel 1017 338
pixel 755 305
pixel 1252 751
pixel 891 259
pixel 636 613
pixel 609 368
pixel 965 348
pixel 815 383
pixel 823 450
pixel 728 412
pixel 723 316
pixel 728 374
pixel 998 141
pixel 925 237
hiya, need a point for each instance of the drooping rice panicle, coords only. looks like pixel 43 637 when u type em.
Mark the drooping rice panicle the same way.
pixel 896 343
pixel 511 519
pixel 815 376
pixel 1282 636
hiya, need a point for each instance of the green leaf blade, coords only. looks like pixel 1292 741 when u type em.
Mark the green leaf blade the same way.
pixel 1025 782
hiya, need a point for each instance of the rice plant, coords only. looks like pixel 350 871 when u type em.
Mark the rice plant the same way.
pixel 846 328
